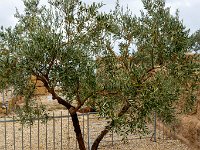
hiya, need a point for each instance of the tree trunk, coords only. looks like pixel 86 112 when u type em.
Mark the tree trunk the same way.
pixel 70 108
pixel 95 145
pixel 77 130
pixel 107 128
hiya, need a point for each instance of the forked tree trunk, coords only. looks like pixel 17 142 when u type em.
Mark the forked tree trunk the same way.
pixel 77 130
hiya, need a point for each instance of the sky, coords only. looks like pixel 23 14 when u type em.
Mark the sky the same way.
pixel 189 10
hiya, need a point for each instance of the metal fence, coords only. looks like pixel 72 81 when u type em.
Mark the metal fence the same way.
pixel 58 133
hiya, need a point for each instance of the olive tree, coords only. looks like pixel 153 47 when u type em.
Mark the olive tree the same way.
pixel 127 66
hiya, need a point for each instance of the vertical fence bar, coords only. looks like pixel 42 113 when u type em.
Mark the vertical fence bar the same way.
pixel 30 135
pixel 112 138
pixel 75 138
pixel 38 132
pixel 163 131
pixel 159 130
pixel 46 136
pixel 68 130
pixel 88 130
pixel 174 133
pixel 13 132
pixel 83 126
pixel 61 131
pixel 68 123
pixel 54 131
pixel 3 97
pixel 5 133
pixel 155 126
pixel 22 136
pixel 170 136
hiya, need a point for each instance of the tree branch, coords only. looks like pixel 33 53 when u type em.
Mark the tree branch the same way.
pixel 100 92
pixel 78 92
pixel 108 127
pixel 83 102
pixel 53 93
pixel 150 73
pixel 51 63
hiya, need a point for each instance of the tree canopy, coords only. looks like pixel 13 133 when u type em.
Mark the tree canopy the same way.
pixel 127 66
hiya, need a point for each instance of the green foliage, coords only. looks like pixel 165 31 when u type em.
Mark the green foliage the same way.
pixel 54 42
pixel 31 112
pixel 162 35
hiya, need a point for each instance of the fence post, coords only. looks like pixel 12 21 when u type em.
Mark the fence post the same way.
pixel 155 126
pixel 38 117
pixel 54 131
pixel 76 141
pixel 83 126
pixel 22 136
pixel 174 132
pixel 46 135
pixel 5 133
pixel 30 135
pixel 112 138
pixel 14 132
pixel 3 97
pixel 88 130
pixel 163 131
pixel 68 130
pixel 6 105
pixel 61 131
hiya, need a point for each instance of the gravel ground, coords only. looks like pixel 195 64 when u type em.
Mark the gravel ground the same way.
pixel 53 140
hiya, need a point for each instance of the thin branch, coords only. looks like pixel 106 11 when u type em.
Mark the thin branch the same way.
pixel 124 109
pixel 51 63
pixel 83 102
pixel 149 73
pixel 78 92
